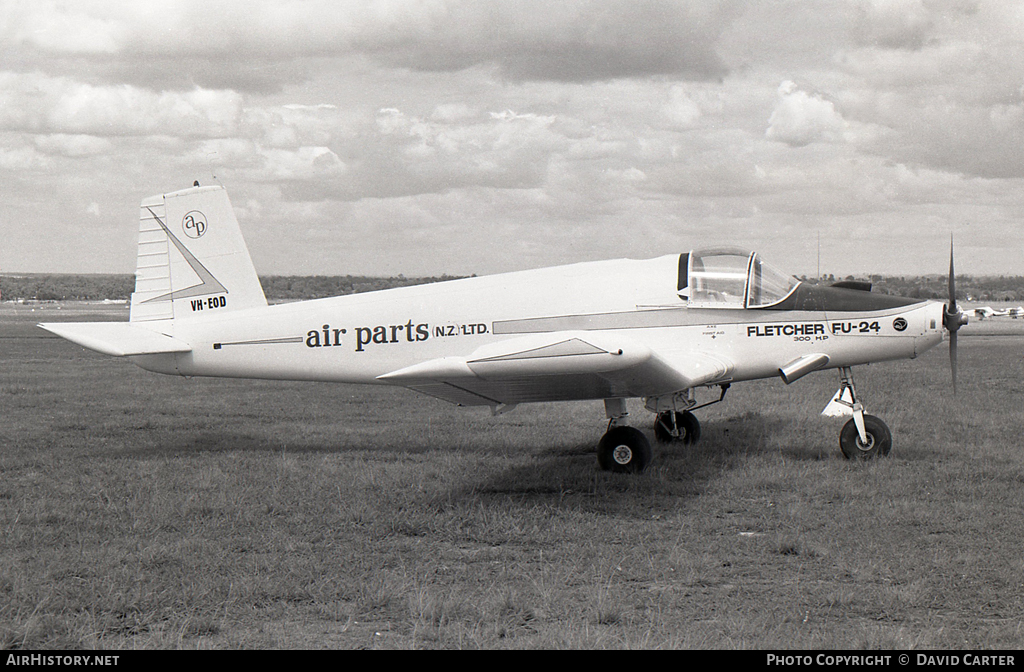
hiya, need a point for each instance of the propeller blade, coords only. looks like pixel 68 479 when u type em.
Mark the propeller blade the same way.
pixel 952 358
pixel 953 318
pixel 952 279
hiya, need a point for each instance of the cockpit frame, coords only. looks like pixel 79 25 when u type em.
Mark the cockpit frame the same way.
pixel 734 278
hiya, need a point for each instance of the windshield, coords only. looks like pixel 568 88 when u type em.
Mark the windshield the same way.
pixel 728 278
pixel 768 285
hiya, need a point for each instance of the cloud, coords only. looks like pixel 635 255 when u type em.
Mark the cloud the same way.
pixel 304 163
pixel 72 146
pixel 408 154
pixel 53 28
pixel 41 104
pixel 592 127
pixel 267 164
pixel 893 24
pixel 264 45
pixel 291 125
pixel 570 42
pixel 956 104
pixel 22 159
pixel 681 112
pixel 800 118
pixel 982 141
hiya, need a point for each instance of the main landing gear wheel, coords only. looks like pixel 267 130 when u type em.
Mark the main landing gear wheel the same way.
pixel 878 444
pixel 681 426
pixel 624 450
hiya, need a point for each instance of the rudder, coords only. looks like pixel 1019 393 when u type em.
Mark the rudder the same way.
pixel 192 259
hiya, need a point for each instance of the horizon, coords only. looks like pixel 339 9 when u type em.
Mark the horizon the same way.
pixel 831 277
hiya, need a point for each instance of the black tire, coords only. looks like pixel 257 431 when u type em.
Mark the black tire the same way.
pixel 683 427
pixel 624 450
pixel 879 439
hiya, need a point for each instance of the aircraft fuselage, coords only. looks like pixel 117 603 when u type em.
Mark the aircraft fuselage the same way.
pixel 358 338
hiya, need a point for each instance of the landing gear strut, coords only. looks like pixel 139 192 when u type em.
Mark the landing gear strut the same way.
pixel 678 426
pixel 863 436
pixel 675 421
pixel 625 449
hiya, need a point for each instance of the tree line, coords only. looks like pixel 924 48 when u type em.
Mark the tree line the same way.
pixel 115 287
pixel 99 287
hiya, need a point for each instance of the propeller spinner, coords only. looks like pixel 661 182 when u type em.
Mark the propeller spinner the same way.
pixel 953 318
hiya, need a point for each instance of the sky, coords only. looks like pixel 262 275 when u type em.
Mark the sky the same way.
pixel 380 137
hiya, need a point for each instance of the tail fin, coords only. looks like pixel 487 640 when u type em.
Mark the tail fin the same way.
pixel 192 259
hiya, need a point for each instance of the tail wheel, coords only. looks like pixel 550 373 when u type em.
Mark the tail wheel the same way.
pixel 677 426
pixel 879 441
pixel 624 450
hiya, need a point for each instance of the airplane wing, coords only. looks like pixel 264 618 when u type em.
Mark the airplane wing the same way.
pixel 120 339
pixel 559 366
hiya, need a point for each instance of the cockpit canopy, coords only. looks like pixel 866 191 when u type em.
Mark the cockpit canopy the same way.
pixel 733 278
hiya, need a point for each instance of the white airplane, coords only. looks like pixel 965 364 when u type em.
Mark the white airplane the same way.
pixel 658 329
pixel 985 312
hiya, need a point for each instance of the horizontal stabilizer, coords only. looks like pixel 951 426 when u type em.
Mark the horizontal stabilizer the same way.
pixel 120 339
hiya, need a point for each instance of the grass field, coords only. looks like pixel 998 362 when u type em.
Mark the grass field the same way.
pixel 142 511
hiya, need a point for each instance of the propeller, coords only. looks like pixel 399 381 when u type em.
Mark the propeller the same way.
pixel 953 318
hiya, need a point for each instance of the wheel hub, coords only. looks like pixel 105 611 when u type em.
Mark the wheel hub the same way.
pixel 866 446
pixel 622 454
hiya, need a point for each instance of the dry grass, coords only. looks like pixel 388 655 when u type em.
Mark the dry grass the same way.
pixel 152 512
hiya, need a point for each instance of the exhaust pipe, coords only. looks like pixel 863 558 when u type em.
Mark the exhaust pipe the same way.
pixel 801 366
